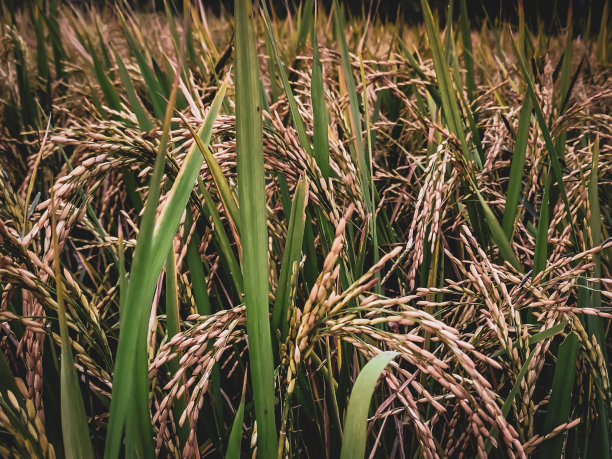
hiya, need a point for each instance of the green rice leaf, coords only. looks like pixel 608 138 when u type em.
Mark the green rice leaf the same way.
pixel 202 140
pixel 222 239
pixel 560 396
pixel 602 37
pixel 173 321
pixel 319 109
pixel 510 399
pixel 515 181
pixel 541 245
pixel 354 437
pixel 595 223
pixel 449 101
pixel 75 432
pixel 254 234
pixel 196 269
pixel 600 443
pixel 235 439
pixel 306 19
pixel 108 89
pixel 498 236
pixel 291 255
pixel 129 408
pixel 173 318
pixel 540 336
pixel 144 122
pixel 153 85
pixel 298 122
pixel 346 72
pixel 468 59
pixel 183 185
pixel 550 146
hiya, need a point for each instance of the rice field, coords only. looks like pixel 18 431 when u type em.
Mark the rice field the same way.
pixel 313 234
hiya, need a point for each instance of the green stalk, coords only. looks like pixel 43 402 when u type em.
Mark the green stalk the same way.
pixel 130 395
pixel 254 235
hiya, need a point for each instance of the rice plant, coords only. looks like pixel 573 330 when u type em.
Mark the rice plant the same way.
pixel 311 234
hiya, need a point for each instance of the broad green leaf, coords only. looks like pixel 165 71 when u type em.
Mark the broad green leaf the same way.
pixel 254 234
pixel 354 437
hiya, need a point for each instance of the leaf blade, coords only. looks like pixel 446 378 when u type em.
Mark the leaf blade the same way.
pixel 354 437
pixel 252 204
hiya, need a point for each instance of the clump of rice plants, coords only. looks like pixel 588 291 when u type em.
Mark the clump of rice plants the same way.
pixel 315 234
